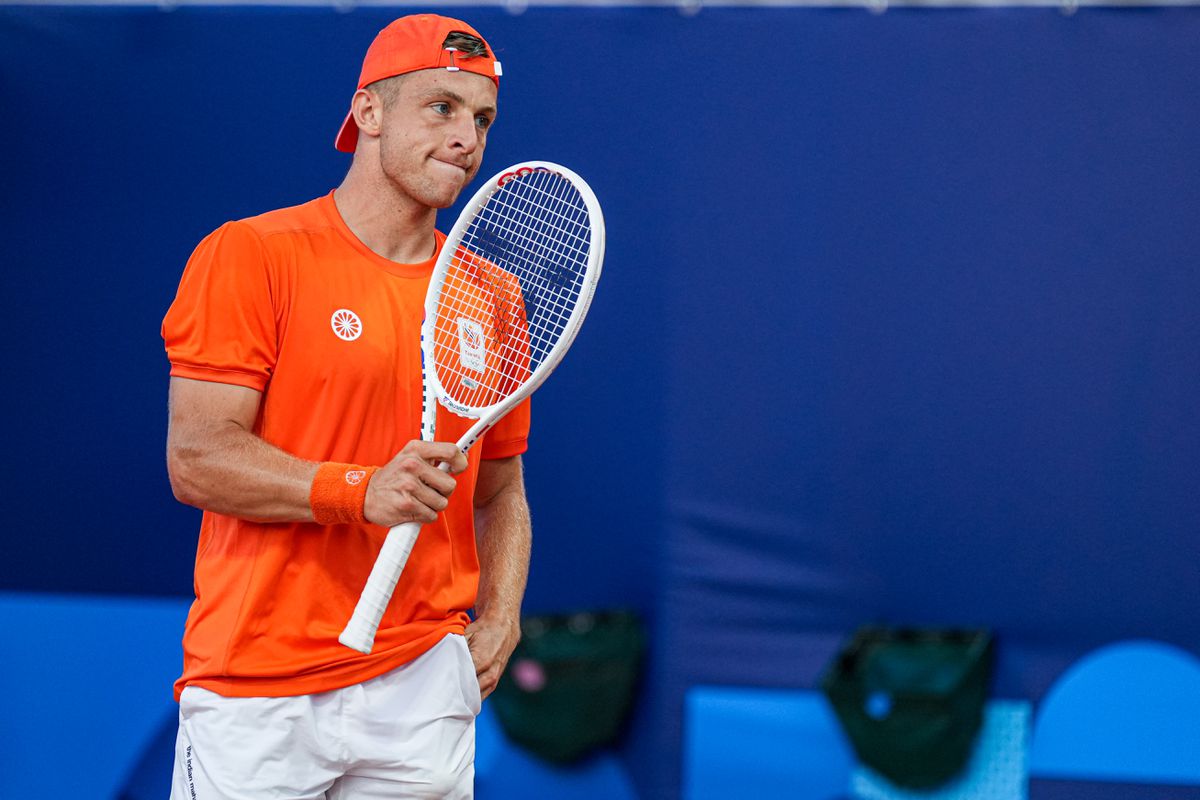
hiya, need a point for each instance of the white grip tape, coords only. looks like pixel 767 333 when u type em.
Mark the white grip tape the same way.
pixel 360 630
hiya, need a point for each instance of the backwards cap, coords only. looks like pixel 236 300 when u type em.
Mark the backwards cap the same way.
pixel 413 43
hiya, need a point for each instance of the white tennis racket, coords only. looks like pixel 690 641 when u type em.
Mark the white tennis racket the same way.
pixel 510 289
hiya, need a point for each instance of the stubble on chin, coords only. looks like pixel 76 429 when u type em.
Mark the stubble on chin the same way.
pixel 447 193
pixel 441 196
pixel 425 190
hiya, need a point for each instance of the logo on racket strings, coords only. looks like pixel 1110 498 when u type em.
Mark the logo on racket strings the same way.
pixel 490 244
pixel 346 324
pixel 472 351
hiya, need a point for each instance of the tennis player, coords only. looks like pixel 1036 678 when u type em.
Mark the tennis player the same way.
pixel 294 421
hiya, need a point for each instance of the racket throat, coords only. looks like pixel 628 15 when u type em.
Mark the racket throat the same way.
pixel 429 417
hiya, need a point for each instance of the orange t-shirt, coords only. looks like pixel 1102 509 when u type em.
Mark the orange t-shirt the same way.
pixel 292 304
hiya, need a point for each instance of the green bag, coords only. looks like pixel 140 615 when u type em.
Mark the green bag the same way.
pixel 911 701
pixel 570 683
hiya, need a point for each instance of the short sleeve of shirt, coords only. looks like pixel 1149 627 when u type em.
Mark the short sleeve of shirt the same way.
pixel 510 436
pixel 221 326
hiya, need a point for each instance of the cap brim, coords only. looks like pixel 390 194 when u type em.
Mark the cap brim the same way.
pixel 347 138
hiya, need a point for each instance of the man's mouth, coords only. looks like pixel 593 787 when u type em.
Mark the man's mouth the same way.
pixel 464 168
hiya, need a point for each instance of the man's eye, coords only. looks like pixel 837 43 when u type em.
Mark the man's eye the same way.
pixel 441 108
pixel 483 122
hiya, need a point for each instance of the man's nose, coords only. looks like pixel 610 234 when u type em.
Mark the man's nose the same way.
pixel 463 135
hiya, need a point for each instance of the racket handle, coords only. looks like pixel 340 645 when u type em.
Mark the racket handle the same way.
pixel 360 630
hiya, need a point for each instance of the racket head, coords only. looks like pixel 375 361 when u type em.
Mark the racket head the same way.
pixel 511 287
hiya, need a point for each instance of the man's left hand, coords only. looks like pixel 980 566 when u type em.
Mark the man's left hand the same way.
pixel 491 642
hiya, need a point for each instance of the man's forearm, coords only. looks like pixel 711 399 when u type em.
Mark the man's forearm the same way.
pixel 503 537
pixel 232 471
pixel 216 462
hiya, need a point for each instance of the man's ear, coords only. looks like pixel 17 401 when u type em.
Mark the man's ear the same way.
pixel 367 108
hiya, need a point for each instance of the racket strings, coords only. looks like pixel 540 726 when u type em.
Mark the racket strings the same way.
pixel 511 288
pixel 563 254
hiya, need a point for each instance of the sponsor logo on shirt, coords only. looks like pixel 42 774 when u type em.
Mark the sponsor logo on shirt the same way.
pixel 346 324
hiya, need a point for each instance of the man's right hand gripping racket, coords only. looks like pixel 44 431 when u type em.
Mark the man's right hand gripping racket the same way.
pixel 510 289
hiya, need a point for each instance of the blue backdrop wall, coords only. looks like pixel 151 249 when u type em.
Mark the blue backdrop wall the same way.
pixel 920 287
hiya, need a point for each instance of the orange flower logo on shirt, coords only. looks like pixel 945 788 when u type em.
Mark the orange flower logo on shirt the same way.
pixel 346 324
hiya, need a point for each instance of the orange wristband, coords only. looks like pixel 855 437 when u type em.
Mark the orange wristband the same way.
pixel 338 492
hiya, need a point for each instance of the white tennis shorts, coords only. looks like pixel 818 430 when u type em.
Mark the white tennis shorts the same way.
pixel 409 733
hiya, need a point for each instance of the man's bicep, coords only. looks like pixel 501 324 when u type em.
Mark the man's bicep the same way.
pixel 496 476
pixel 204 405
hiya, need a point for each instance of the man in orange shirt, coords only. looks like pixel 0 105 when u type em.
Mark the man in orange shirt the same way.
pixel 294 416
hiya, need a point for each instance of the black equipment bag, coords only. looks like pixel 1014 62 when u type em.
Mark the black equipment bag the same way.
pixel 911 701
pixel 570 683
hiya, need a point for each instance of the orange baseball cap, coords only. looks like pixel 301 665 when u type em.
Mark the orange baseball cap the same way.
pixel 413 43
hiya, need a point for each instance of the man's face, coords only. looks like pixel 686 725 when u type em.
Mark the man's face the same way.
pixel 433 133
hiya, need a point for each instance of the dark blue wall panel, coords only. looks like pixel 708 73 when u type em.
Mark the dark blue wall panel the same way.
pixel 919 290
pixel 943 362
